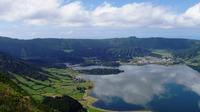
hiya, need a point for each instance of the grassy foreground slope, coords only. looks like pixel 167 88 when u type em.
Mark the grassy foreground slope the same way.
pixel 26 88
pixel 14 99
pixel 61 82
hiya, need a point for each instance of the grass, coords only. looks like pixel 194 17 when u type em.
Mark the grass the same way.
pixel 60 82
pixel 163 53
pixel 194 61
pixel 91 109
pixel 13 99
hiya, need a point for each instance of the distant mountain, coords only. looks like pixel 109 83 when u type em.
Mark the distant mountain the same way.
pixel 75 50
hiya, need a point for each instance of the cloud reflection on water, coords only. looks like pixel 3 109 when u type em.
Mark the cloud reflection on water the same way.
pixel 139 84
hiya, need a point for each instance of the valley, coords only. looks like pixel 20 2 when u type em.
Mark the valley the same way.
pixel 61 82
pixel 74 73
pixel 99 56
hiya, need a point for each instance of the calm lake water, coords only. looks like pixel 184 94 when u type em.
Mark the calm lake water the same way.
pixel 151 87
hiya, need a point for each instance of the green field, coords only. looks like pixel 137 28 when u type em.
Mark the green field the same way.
pixel 61 82
pixel 163 53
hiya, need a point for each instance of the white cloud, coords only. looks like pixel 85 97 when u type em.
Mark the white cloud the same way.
pixel 24 9
pixel 191 17
pixel 135 14
pixel 54 12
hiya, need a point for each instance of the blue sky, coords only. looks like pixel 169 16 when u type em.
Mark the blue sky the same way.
pixel 179 5
pixel 99 18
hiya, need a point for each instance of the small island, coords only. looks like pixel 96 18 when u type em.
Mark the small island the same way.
pixel 101 71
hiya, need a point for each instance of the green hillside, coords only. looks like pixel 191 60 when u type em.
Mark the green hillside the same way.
pixel 26 88
pixel 13 98
pixel 75 50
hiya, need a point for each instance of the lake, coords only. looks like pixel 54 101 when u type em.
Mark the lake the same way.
pixel 157 88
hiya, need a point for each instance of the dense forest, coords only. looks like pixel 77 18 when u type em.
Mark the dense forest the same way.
pixel 101 71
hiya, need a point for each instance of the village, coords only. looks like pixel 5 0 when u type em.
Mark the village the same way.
pixel 152 60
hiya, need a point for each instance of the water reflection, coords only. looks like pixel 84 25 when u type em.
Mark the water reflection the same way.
pixel 139 85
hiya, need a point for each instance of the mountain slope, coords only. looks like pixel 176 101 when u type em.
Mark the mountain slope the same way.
pixel 14 99
pixel 75 50
pixel 20 67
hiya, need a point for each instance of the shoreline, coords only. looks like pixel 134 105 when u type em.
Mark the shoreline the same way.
pixel 89 100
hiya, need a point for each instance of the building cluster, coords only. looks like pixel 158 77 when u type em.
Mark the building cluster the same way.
pixel 152 60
